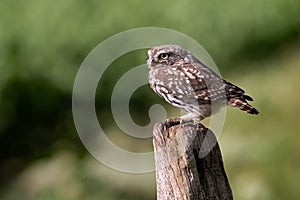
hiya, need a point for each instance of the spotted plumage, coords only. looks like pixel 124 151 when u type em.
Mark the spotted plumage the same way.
pixel 185 82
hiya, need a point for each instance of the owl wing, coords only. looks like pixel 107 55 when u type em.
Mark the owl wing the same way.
pixel 206 85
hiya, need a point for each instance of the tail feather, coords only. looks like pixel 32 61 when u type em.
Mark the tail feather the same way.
pixel 243 105
pixel 247 97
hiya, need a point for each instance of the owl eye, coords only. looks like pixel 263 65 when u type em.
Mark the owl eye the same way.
pixel 164 56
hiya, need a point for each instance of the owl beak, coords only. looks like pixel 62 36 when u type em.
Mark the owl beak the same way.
pixel 149 62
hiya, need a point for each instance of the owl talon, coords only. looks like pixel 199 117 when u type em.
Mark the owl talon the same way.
pixel 186 121
pixel 172 122
pixel 191 116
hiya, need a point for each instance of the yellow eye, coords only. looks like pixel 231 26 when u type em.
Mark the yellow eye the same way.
pixel 164 56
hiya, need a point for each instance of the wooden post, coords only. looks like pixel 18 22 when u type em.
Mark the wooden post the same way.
pixel 188 162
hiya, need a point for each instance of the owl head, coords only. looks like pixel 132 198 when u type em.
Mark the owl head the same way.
pixel 166 55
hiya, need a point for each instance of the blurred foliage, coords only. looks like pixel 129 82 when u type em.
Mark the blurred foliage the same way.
pixel 254 43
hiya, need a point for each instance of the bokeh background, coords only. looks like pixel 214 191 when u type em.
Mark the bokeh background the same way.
pixel 255 44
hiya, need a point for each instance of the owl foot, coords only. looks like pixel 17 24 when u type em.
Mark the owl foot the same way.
pixel 191 117
pixel 172 122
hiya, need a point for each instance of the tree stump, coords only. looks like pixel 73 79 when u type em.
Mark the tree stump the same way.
pixel 189 163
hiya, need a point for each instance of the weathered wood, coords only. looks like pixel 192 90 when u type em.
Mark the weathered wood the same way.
pixel 188 162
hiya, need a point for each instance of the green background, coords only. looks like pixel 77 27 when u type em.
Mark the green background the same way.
pixel 255 45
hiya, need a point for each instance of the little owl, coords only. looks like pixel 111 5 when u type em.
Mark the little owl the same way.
pixel 185 82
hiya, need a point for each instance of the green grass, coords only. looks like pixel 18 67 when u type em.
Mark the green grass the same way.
pixel 261 152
